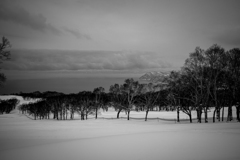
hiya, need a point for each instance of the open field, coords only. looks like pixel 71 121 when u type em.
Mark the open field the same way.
pixel 117 139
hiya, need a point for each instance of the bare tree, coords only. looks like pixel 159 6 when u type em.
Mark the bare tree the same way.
pixel 148 97
pixel 98 99
pixel 216 62
pixel 195 68
pixel 232 78
pixel 131 88
pixel 4 55
pixel 118 99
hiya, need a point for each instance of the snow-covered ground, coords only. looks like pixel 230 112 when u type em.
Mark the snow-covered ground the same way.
pixel 117 139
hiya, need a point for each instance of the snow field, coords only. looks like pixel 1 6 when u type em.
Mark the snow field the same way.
pixel 117 139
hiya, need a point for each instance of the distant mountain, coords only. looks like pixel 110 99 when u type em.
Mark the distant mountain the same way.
pixel 154 77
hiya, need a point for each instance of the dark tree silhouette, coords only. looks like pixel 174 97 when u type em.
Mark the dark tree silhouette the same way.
pixel 98 103
pixel 131 88
pixel 232 80
pixel 4 55
pixel 148 97
pixel 117 98
pixel 6 106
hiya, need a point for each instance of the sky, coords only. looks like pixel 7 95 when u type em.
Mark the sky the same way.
pixel 75 45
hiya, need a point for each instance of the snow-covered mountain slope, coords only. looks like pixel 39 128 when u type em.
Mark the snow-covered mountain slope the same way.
pixel 154 77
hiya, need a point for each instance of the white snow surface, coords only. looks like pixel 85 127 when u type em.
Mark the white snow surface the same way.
pixel 22 138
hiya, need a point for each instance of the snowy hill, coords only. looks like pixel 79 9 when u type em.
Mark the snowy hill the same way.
pixel 154 77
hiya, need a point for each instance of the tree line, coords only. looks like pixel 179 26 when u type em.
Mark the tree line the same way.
pixel 6 106
pixel 208 79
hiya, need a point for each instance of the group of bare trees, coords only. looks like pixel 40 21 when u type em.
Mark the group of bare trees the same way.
pixel 209 78
pixel 126 97
pixel 135 96
pixel 62 106
pixel 6 106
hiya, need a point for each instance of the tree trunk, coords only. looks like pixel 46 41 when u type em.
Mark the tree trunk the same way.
pixel 197 114
pixel 222 113
pixel 82 115
pixel 146 114
pixel 96 112
pixel 61 114
pixel 54 115
pixel 215 99
pixel 190 117
pixel 218 114
pixel 72 115
pixel 66 113
pixel 214 115
pixel 178 117
pixel 230 117
pixel 206 115
pixel 119 113
pixel 128 115
pixel 200 114
pixel 237 112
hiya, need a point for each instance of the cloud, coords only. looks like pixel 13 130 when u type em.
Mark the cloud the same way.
pixel 18 15
pixel 77 34
pixel 50 60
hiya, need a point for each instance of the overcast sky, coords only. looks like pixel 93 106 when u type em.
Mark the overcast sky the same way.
pixel 65 39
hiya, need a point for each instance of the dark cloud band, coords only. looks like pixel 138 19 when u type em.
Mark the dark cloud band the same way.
pixel 83 60
pixel 19 15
